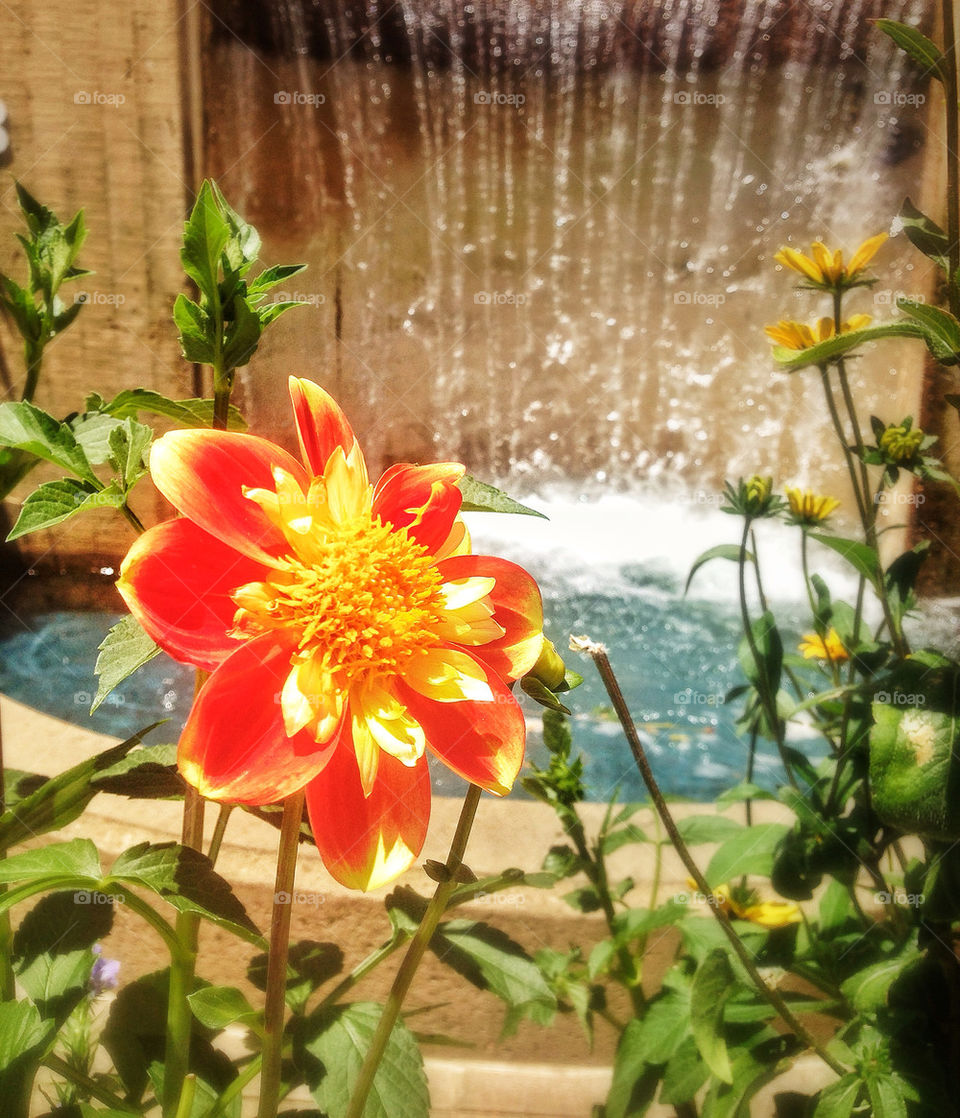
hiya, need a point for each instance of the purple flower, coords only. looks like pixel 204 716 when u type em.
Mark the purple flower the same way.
pixel 103 973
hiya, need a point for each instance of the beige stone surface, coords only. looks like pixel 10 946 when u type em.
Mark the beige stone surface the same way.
pixel 93 94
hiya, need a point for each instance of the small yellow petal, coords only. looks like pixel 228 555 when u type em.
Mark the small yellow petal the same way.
pixel 790 258
pixel 865 253
pixel 448 676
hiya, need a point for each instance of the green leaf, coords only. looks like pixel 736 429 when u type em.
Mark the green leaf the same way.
pixel 242 337
pixel 329 1048
pixel 729 551
pixel 749 852
pixel 941 331
pixel 860 556
pixel 205 236
pixel 26 427
pixel 144 774
pixel 712 985
pixel 839 1099
pixel 635 1080
pixel 480 497
pixel 867 990
pixel 886 1096
pixel 187 880
pixel 92 432
pixel 244 244
pixel 129 448
pixel 24 1037
pixel 696 829
pixel 491 960
pixel 309 965
pixel 542 694
pixel 220 1006
pixel 684 1074
pixel 925 235
pixel 59 801
pixel 196 331
pixel 56 501
pixel 914 770
pixel 924 52
pixel 123 650
pixel 185 413
pixel 824 352
pixel 270 278
pixel 76 858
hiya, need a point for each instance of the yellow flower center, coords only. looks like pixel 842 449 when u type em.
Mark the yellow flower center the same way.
pixel 363 605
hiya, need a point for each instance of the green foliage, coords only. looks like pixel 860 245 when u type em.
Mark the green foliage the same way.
pixel 123 650
pixel 478 496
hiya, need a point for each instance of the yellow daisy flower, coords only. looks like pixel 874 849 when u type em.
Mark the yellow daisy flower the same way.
pixel 825 268
pixel 815 647
pixel 809 508
pixel 798 335
pixel 746 905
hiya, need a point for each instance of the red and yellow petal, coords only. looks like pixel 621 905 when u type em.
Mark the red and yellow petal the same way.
pixel 205 474
pixel 481 741
pixel 177 580
pixel 423 499
pixel 518 609
pixel 321 425
pixel 366 841
pixel 234 746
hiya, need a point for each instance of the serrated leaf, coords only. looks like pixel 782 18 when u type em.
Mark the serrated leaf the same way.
pixel 144 774
pixel 196 328
pixel 186 879
pixel 867 990
pixel 839 1099
pixel 186 413
pixel 129 447
pixel 824 352
pixel 26 427
pixel 635 1081
pixel 329 1048
pixel 924 52
pixel 205 236
pixel 57 501
pixel 78 858
pixel 712 985
pixel 270 278
pixel 684 1074
pixel 480 497
pixel 122 651
pixel 748 852
pixel 941 331
pixel 92 431
pixel 729 551
pixel 491 960
pixel 60 800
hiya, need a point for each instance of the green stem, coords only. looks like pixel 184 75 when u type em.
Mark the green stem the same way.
pixel 90 1086
pixel 767 699
pixel 363 968
pixel 276 1002
pixel 7 980
pixel 186 1097
pixel 415 952
pixel 234 1088
pixel 953 154
pixel 599 656
pixel 219 830
pixel 132 519
pixel 33 358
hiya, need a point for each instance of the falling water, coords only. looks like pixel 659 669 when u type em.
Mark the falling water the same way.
pixel 540 236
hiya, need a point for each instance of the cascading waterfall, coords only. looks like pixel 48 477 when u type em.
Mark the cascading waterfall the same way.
pixel 540 235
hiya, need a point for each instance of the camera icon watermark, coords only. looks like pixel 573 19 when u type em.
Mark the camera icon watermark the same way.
pixel 899 99
pixel 486 97
pixel 92 897
pixel 84 97
pixel 699 298
pixel 690 698
pixel 913 900
pixel 696 97
pixel 313 900
pixel 900 698
pixel 889 298
pixel 100 298
pixel 310 298
pixel 499 298
pixel 299 97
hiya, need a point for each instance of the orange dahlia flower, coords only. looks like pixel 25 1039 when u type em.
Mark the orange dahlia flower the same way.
pixel 347 627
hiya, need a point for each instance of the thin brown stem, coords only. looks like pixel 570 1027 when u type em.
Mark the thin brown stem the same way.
pixel 599 655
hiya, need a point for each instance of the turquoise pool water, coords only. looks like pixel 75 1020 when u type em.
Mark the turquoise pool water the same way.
pixel 612 569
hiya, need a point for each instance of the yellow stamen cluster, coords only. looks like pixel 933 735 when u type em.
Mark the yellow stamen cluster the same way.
pixel 367 602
